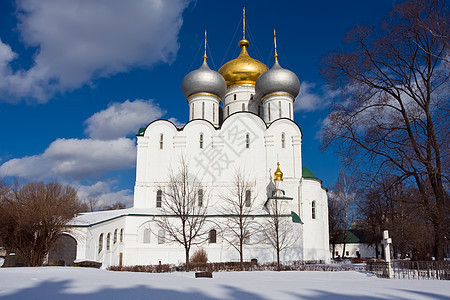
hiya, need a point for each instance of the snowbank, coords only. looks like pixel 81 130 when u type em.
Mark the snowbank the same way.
pixel 73 283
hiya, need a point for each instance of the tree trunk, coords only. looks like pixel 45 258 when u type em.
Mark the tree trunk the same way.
pixel 187 258
pixel 241 256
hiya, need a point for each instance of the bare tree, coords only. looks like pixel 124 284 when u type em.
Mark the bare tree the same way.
pixel 114 206
pixel 278 230
pixel 393 113
pixel 239 224
pixel 335 222
pixel 344 197
pixel 184 209
pixel 34 216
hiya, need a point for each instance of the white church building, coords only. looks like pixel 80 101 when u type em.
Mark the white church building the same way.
pixel 241 119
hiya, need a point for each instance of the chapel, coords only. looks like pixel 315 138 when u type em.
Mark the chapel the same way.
pixel 241 125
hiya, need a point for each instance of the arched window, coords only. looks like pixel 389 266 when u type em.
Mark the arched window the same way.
pixel 268 110
pixel 248 198
pixel 108 241
pixel 161 236
pixel 234 96
pixel 247 140
pixel 161 141
pixel 243 106
pixel 115 236
pixel 279 109
pixel 200 197
pixel 146 238
pixel 313 210
pixel 121 235
pixel 158 198
pixel 100 243
pixel 212 236
pixel 201 140
pixel 246 238
pixel 283 144
pixel 203 110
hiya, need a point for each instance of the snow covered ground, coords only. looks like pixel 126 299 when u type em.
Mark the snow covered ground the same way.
pixel 83 283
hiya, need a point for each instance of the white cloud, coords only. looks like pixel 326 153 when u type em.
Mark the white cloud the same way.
pixel 78 41
pixel 121 119
pixel 103 193
pixel 74 159
pixel 308 100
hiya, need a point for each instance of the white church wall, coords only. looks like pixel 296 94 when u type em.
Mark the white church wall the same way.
pixel 315 238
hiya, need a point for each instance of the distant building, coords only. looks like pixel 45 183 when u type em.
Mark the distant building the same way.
pixel 356 245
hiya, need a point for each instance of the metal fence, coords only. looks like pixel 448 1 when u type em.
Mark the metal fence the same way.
pixel 439 270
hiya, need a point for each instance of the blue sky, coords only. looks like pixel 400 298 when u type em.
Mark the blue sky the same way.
pixel 78 78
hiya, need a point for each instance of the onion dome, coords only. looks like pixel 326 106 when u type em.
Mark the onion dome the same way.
pixel 278 175
pixel 204 80
pixel 277 80
pixel 243 69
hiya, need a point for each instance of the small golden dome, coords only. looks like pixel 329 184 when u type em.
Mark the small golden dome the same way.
pixel 243 69
pixel 278 175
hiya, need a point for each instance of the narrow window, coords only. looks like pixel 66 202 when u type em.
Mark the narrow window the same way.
pixel 279 109
pixel 347 253
pixel 234 96
pixel 214 112
pixel 121 235
pixel 158 198
pixel 268 110
pixel 251 96
pixel 161 141
pixel 313 210
pixel 100 243
pixel 248 198
pixel 192 113
pixel 201 140
pixel 200 197
pixel 259 110
pixel 161 236
pixel 282 140
pixel 108 241
pixel 247 140
pixel 290 110
pixel 243 106
pixel 246 238
pixel 146 236
pixel 228 111
pixel 115 236
pixel 212 236
pixel 203 110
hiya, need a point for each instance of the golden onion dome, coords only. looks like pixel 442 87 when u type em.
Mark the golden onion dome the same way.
pixel 278 175
pixel 243 69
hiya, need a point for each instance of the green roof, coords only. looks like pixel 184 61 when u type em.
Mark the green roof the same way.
pixel 306 173
pixel 353 237
pixel 141 131
pixel 296 218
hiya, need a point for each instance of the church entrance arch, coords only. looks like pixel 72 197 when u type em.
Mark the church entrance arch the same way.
pixel 63 252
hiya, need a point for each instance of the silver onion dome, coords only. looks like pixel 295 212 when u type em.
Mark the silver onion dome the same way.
pixel 204 80
pixel 278 80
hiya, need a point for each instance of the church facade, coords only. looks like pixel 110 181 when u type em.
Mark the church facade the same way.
pixel 241 121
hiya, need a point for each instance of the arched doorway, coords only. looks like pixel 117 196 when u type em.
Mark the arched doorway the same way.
pixel 63 251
